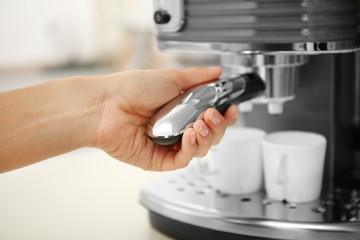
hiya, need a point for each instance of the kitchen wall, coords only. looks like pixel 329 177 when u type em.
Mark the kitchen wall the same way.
pixel 48 33
pixel 120 34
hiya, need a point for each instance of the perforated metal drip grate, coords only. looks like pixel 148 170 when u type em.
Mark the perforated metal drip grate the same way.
pixel 189 196
pixel 188 188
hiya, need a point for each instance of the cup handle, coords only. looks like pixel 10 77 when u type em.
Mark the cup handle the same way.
pixel 280 175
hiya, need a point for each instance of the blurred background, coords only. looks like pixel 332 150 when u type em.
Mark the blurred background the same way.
pixel 84 194
pixel 117 34
pixel 52 33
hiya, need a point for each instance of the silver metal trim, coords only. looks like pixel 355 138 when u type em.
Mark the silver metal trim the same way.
pixel 263 48
pixel 263 60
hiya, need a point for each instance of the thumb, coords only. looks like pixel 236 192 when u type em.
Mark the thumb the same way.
pixel 194 76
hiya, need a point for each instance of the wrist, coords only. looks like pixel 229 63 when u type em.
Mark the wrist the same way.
pixel 89 98
pixel 109 111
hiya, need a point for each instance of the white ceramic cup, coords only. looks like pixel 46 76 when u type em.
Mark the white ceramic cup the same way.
pixel 237 161
pixel 293 165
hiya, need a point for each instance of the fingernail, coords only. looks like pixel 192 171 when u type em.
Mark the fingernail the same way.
pixel 237 116
pixel 214 118
pixel 203 131
pixel 192 137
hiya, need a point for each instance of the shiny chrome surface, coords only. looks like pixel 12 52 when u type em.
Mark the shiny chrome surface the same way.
pixel 174 117
pixel 189 197
pixel 180 113
pixel 263 60
pixel 280 72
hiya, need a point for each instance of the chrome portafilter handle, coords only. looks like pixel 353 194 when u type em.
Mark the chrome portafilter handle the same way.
pixel 170 122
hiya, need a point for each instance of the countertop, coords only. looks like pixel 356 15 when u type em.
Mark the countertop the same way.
pixel 84 194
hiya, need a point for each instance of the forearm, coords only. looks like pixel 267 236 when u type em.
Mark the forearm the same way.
pixel 110 112
pixel 45 120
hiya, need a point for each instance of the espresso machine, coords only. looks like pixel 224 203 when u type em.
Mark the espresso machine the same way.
pixel 306 53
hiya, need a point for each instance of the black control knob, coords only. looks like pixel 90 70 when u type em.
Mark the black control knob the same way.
pixel 162 17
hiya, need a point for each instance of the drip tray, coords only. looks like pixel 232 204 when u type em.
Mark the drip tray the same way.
pixel 188 197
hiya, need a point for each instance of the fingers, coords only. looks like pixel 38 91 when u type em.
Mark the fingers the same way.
pixel 182 157
pixel 204 138
pixel 231 115
pixel 204 133
pixel 217 123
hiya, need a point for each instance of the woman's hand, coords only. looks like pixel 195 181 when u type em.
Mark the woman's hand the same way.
pixel 130 101
pixel 109 112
